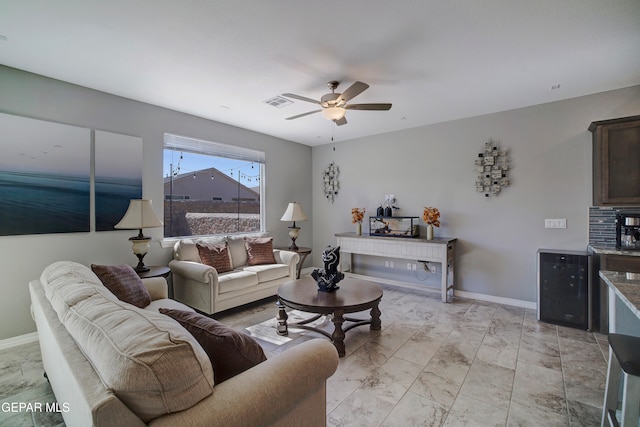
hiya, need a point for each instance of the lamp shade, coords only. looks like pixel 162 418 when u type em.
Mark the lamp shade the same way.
pixel 139 215
pixel 333 113
pixel 294 213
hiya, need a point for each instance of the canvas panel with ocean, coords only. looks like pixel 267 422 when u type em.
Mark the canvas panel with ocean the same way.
pixel 43 203
pixel 112 199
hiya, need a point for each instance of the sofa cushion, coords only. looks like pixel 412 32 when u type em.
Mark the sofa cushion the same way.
pixel 260 250
pixel 238 251
pixel 215 254
pixel 56 276
pixel 231 352
pixel 186 249
pixel 124 283
pixel 268 272
pixel 236 280
pixel 152 365
pixel 168 303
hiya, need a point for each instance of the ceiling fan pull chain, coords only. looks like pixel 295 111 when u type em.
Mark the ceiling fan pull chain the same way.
pixel 333 133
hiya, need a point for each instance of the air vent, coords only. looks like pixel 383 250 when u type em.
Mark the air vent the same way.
pixel 278 101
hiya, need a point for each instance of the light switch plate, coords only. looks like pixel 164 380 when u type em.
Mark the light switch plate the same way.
pixel 555 223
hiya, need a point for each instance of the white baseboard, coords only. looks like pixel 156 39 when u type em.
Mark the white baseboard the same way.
pixel 498 300
pixel 19 340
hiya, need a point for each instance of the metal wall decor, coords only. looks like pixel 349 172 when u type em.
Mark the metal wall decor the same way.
pixel 330 182
pixel 492 165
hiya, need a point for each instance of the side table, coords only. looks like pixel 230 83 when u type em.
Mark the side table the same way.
pixel 155 271
pixel 302 251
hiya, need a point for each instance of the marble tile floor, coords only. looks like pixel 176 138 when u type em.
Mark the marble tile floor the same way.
pixel 22 381
pixel 466 363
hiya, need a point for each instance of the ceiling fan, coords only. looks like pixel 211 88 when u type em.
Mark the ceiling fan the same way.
pixel 334 105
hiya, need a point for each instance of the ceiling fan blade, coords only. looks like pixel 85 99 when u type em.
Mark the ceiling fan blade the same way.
pixel 368 106
pixel 300 98
pixel 354 90
pixel 342 121
pixel 302 115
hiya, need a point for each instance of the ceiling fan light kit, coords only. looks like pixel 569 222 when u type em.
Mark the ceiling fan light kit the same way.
pixel 333 113
pixel 334 105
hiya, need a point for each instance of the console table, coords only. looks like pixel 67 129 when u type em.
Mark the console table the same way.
pixel 441 250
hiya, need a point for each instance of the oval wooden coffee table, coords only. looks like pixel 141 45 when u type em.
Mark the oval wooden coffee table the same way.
pixel 353 296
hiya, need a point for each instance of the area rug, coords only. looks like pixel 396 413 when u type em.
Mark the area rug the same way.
pixel 266 331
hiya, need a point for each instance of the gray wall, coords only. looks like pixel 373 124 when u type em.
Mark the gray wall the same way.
pixel 550 150
pixel 24 257
pixel 498 237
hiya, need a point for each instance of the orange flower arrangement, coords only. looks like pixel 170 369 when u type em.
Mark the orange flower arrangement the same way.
pixel 431 216
pixel 357 215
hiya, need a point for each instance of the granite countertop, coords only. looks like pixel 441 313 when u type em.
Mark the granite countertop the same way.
pixel 608 250
pixel 626 287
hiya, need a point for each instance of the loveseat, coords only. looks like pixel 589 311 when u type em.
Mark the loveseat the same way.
pixel 111 363
pixel 254 271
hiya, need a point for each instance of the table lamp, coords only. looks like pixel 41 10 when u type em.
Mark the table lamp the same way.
pixel 139 215
pixel 294 213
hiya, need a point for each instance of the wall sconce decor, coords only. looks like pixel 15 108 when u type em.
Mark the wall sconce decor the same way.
pixel 330 183
pixel 492 166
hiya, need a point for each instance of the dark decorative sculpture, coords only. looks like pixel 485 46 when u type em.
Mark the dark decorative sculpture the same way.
pixel 329 276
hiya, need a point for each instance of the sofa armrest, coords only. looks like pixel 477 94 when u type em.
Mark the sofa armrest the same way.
pixel 193 271
pixel 273 388
pixel 157 287
pixel 290 258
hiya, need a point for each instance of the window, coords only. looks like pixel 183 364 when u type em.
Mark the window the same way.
pixel 211 188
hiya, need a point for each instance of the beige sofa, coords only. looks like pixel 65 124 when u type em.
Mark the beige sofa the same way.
pixel 200 286
pixel 113 364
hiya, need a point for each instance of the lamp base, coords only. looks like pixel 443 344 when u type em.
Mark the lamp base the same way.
pixel 140 248
pixel 293 234
pixel 141 268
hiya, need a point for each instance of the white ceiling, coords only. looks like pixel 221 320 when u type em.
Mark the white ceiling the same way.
pixel 434 60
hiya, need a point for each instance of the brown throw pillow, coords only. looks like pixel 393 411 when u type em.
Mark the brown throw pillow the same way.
pixel 216 255
pixel 124 283
pixel 231 352
pixel 260 250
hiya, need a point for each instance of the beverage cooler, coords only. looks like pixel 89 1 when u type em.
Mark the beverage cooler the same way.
pixel 564 288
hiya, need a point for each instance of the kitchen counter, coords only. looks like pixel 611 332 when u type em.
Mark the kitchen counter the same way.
pixel 608 258
pixel 624 301
pixel 606 250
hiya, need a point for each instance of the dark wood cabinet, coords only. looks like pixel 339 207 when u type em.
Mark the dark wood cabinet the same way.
pixel 616 162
